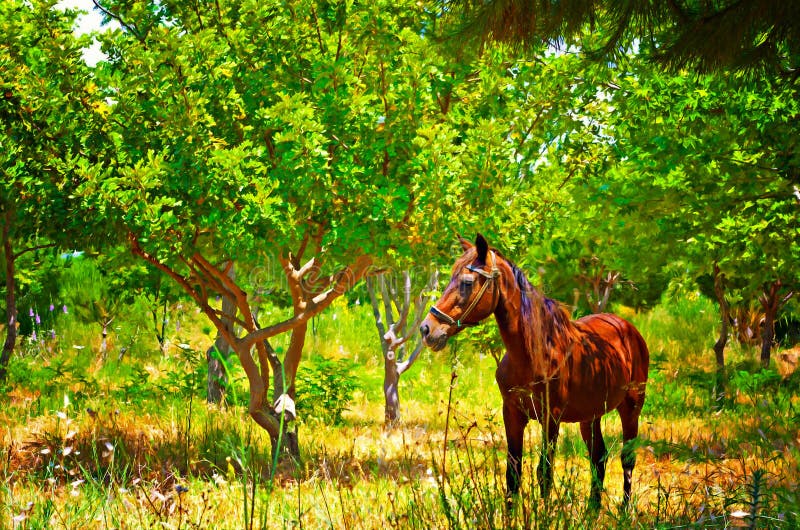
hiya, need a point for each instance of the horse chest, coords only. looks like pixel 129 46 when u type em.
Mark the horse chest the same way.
pixel 573 392
pixel 528 391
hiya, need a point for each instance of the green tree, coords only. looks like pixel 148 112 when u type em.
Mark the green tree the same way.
pixel 714 163
pixel 683 33
pixel 658 169
pixel 51 115
pixel 286 136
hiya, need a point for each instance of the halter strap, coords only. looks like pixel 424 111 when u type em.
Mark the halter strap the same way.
pixel 490 277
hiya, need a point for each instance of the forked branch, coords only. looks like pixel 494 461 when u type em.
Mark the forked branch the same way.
pixel 344 279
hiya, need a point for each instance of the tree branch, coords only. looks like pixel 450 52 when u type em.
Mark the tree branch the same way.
pixel 345 279
pixel 210 275
pixel 387 301
pixel 132 29
pixel 376 310
pixel 405 365
pixel 34 248
pixel 201 301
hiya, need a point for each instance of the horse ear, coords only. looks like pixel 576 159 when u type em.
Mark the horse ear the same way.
pixel 465 245
pixel 483 247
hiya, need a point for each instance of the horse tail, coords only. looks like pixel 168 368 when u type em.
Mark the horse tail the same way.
pixel 640 357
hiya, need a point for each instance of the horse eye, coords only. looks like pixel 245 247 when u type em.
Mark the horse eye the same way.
pixel 465 285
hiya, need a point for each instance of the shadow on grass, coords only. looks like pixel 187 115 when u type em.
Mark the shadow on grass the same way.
pixel 114 447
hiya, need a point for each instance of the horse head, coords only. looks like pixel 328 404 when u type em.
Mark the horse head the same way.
pixel 471 296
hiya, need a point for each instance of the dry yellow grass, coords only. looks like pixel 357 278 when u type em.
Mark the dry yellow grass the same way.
pixel 787 361
pixel 361 475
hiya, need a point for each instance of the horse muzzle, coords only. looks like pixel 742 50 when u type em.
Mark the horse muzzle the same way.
pixel 433 336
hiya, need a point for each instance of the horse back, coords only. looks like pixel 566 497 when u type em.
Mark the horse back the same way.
pixel 612 339
pixel 608 363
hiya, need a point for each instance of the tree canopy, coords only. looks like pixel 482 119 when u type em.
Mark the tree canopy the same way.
pixel 738 34
pixel 51 118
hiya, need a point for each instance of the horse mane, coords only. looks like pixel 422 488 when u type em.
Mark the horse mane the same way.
pixel 546 325
pixel 547 329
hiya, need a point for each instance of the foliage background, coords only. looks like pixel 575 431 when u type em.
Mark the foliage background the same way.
pixel 257 133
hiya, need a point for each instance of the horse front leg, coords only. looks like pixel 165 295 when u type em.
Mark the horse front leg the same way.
pixel 515 421
pixel 550 427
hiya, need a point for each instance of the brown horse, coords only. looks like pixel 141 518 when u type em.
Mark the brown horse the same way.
pixel 554 370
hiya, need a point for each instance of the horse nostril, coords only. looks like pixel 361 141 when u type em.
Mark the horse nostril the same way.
pixel 424 329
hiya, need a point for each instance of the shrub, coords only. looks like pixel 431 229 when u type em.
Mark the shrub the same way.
pixel 324 388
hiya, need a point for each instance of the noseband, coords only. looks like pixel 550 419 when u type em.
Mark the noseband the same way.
pixel 490 278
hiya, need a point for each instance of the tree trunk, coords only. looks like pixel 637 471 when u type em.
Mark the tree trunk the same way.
pixel 767 335
pixel 391 376
pixel 725 314
pixel 391 384
pixel 771 302
pixel 11 302
pixel 284 392
pixel 218 353
pixel 718 395
pixel 104 342
pixel 291 361
pixel 217 379
pixel 160 328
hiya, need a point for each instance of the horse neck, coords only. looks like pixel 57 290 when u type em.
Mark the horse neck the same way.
pixel 536 332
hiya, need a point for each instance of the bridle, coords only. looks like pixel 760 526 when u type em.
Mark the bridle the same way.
pixel 490 278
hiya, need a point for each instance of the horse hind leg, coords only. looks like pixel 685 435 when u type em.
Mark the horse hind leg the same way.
pixel 593 438
pixel 629 411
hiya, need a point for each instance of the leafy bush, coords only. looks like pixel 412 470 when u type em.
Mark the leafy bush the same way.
pixel 187 375
pixel 324 388
pixel 682 329
pixel 755 382
pixel 669 396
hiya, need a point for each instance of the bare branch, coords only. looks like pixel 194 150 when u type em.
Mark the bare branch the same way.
pixel 405 365
pixel 345 279
pixel 376 310
pixel 295 288
pixel 404 309
pixel 295 259
pixel 201 300
pixel 131 28
pixel 387 301
pixel 319 33
pixel 233 318
pixel 222 280
pixel 786 298
pixel 302 271
pixel 204 278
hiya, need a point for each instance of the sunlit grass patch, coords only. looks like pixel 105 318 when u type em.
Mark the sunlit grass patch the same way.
pixel 363 476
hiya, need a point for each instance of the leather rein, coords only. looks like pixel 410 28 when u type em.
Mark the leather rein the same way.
pixel 490 278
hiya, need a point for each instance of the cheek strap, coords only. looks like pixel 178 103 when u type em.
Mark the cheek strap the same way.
pixel 490 278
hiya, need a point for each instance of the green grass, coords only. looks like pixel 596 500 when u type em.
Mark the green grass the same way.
pixel 132 443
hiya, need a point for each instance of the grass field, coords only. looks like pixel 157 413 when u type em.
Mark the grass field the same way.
pixel 131 443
